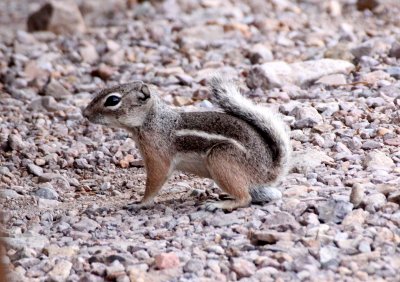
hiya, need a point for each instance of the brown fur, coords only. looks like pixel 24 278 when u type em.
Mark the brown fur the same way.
pixel 228 173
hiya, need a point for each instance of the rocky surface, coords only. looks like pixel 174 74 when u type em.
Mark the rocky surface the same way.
pixel 330 67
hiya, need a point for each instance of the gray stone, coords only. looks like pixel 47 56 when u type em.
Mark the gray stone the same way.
pixel 114 58
pixel 47 192
pixel 378 160
pixel 306 117
pixel 334 211
pixel 327 109
pixel 373 78
pixel 9 193
pixel 123 278
pixel 280 221
pixel 55 89
pixel 15 142
pixel 115 269
pixel 201 35
pixel 395 50
pixel 394 72
pixel 394 197
pixel 82 163
pixel 328 255
pixel 305 161
pixel 357 194
pixel 375 200
pixel 105 186
pixel 215 249
pixel 60 271
pixel 47 177
pixel 35 170
pixel 50 104
pixel 221 220
pixel 47 204
pixel 184 79
pixel 364 246
pixel 98 268
pixel 242 267
pixel 376 102
pixel 89 53
pixel 364 49
pixel 260 53
pixel 36 242
pixel 86 225
pixel 4 170
pixel 332 80
pixel 142 255
pixel 371 144
pixel 199 215
pixel 396 218
pixel 194 265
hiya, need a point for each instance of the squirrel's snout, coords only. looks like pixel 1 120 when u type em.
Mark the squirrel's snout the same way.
pixel 85 113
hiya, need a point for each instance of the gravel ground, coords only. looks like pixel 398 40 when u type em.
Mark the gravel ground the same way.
pixel 330 67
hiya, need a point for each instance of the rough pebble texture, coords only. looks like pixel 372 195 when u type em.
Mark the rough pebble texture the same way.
pixel 330 67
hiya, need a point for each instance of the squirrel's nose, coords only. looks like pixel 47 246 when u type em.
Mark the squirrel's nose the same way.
pixel 85 113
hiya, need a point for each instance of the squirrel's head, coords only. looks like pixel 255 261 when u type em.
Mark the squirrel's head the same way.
pixel 123 106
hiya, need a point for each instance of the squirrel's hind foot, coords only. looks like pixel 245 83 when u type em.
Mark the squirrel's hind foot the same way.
pixel 228 205
pixel 136 206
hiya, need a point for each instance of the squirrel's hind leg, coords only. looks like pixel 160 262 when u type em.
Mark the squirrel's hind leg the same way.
pixel 225 163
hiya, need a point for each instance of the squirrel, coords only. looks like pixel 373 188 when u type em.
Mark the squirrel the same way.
pixel 245 148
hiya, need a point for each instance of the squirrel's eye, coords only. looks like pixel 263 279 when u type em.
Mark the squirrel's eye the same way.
pixel 112 101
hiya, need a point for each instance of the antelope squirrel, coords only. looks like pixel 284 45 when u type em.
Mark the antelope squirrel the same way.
pixel 245 149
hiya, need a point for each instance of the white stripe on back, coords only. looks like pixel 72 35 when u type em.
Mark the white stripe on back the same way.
pixel 207 135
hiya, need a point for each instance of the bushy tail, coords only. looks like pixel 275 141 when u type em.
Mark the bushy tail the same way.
pixel 268 124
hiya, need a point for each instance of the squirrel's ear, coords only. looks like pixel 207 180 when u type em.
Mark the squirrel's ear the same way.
pixel 145 92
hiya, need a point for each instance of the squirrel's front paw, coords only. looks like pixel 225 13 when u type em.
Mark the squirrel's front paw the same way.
pixel 133 207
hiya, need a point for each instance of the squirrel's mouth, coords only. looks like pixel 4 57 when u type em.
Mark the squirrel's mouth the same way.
pixel 102 120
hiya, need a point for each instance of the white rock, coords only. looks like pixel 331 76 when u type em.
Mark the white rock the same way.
pixel 307 160
pixel 260 53
pixel 27 240
pixel 378 160
pixel 328 254
pixel 375 200
pixel 357 194
pixel 86 225
pixel 60 271
pixel 47 192
pixel 89 53
pixel 242 267
pixel 115 269
pixel 9 193
pixel 201 34
pixel 278 74
pixel 60 17
pixel 332 80
pixel 47 204
pixel 306 117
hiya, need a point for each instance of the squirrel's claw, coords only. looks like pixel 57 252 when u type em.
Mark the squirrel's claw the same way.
pixel 134 207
